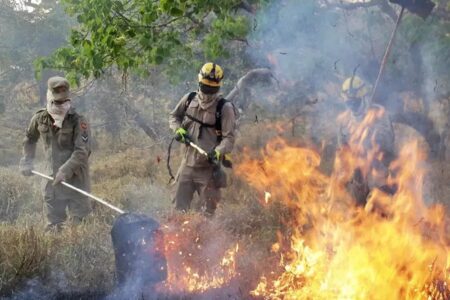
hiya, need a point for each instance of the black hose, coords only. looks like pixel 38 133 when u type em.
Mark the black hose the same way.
pixel 169 150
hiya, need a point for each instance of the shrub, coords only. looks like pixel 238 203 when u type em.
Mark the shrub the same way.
pixel 23 255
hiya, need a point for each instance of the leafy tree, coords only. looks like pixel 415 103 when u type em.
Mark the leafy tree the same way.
pixel 134 35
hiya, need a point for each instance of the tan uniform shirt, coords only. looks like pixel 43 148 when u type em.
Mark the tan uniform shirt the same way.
pixel 208 139
pixel 66 149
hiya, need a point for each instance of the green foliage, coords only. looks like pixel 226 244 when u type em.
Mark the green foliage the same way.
pixel 215 43
pixel 133 35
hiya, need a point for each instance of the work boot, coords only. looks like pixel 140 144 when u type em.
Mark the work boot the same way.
pixel 54 227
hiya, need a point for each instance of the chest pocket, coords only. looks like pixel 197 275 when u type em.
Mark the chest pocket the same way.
pixel 65 137
pixel 207 117
pixel 192 109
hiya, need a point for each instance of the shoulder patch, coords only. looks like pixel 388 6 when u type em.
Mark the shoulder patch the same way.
pixel 85 137
pixel 83 125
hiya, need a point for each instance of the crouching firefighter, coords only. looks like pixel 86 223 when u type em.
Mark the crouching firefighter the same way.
pixel 207 120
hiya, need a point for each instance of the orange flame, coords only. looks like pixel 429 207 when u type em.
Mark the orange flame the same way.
pixel 191 266
pixel 394 248
pixel 267 197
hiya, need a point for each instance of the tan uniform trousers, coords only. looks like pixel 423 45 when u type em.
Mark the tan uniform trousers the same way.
pixel 190 180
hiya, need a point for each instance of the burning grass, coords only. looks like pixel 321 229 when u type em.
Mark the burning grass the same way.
pixel 334 249
pixel 198 258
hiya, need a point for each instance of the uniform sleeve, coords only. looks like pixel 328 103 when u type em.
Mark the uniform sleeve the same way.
pixel 228 129
pixel 29 143
pixel 177 114
pixel 82 149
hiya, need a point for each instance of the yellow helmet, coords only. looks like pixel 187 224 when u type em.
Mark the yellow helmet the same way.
pixel 211 75
pixel 354 87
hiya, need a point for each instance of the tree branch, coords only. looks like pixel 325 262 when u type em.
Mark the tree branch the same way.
pixel 244 81
pixel 141 122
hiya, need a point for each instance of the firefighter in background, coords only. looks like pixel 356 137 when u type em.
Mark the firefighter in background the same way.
pixel 362 137
pixel 208 120
pixel 66 138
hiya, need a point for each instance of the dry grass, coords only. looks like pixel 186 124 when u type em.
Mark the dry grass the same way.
pixel 84 256
pixel 78 258
pixel 24 253
pixel 18 195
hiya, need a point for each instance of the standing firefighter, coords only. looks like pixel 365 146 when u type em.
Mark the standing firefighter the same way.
pixel 66 137
pixel 366 131
pixel 208 120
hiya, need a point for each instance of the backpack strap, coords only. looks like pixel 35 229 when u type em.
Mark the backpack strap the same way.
pixel 189 100
pixel 218 125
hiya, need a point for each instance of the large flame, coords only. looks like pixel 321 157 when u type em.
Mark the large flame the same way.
pixel 393 248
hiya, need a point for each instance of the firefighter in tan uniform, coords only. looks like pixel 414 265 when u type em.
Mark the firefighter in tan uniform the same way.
pixel 207 120
pixel 368 136
pixel 66 138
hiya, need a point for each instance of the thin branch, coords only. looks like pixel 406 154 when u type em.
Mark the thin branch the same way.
pixel 131 22
pixel 168 22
